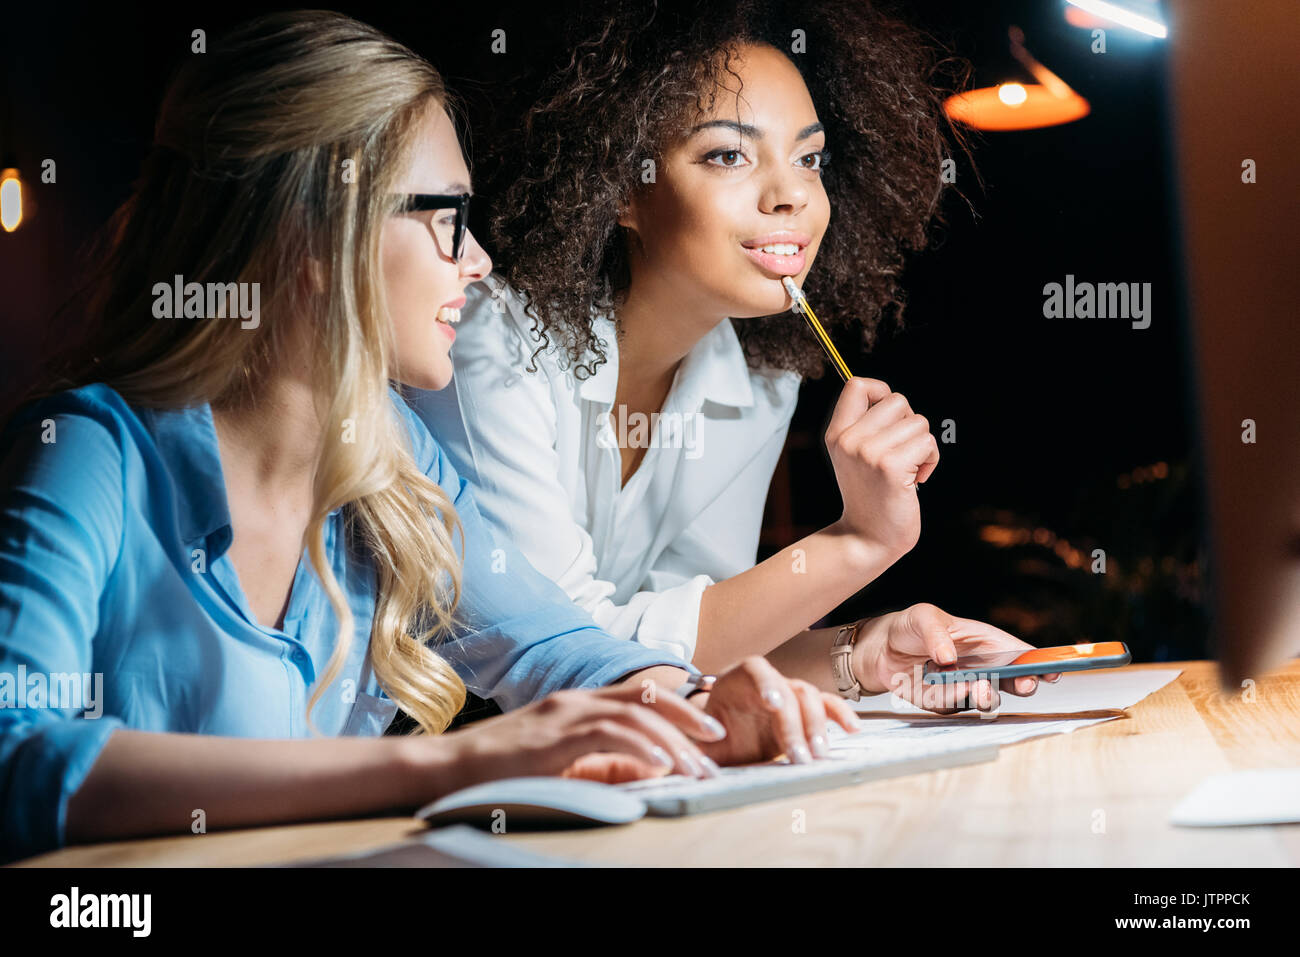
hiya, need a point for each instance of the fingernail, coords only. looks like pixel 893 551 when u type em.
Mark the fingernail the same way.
pixel 691 764
pixel 819 746
pixel 663 757
pixel 714 725
pixel 774 699
pixel 711 766
pixel 947 655
pixel 799 754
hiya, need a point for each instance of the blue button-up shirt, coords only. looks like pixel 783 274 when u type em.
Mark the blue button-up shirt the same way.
pixel 119 606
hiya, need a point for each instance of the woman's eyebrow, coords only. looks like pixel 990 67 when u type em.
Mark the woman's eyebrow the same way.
pixel 753 132
pixel 744 129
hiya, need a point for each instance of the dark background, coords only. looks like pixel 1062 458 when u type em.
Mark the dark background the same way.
pixel 1071 435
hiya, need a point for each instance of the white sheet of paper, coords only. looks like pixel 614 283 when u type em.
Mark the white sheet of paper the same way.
pixel 1008 729
pixel 889 719
pixel 1111 689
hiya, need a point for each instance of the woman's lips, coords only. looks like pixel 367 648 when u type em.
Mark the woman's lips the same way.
pixel 777 264
pixel 447 316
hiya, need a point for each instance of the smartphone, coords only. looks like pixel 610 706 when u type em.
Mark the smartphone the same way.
pixel 1036 661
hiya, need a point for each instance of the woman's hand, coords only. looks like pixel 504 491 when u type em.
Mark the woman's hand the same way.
pixel 881 451
pixel 650 734
pixel 891 652
pixel 765 715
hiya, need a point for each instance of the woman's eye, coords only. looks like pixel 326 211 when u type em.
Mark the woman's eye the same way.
pixel 815 161
pixel 728 159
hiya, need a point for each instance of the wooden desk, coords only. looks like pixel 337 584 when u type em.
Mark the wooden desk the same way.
pixel 1098 797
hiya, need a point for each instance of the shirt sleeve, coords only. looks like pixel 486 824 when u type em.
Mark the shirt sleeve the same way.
pixel 497 423
pixel 61 520
pixel 521 638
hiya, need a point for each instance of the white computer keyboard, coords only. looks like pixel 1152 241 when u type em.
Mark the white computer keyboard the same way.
pixel 677 795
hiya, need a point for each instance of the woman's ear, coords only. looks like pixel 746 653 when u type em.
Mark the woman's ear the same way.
pixel 627 213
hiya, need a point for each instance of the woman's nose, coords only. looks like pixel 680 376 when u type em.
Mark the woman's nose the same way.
pixel 784 192
pixel 475 263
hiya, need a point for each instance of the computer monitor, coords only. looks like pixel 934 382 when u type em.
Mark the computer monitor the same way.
pixel 1236 138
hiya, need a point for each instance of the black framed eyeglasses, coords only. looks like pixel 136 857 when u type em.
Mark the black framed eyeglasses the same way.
pixel 449 235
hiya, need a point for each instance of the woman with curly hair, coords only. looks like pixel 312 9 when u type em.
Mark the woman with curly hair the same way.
pixel 622 402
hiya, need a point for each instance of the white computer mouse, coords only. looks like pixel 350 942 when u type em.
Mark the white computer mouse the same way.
pixel 537 802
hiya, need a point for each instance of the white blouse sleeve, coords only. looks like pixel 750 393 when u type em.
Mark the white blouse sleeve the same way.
pixel 497 423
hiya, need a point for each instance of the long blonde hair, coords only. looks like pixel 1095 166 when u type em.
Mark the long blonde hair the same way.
pixel 280 147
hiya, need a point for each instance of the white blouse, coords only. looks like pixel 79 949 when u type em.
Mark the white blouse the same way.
pixel 544 456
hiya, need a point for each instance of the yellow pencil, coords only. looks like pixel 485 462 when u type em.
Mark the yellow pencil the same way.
pixel 801 306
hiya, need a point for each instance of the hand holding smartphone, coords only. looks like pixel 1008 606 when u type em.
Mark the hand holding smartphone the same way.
pixel 1036 661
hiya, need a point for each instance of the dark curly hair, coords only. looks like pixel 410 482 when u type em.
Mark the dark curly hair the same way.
pixel 627 90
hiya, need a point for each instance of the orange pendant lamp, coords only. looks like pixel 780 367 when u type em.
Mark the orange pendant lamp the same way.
pixel 1019 106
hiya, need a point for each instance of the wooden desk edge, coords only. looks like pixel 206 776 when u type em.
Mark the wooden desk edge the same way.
pixel 309 841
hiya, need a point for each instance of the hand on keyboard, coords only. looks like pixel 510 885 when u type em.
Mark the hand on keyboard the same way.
pixel 767 714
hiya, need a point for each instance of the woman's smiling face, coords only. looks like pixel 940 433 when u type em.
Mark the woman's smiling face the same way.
pixel 738 200
pixel 424 286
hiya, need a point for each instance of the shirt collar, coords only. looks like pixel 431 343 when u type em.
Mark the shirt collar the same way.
pixel 714 370
pixel 186 440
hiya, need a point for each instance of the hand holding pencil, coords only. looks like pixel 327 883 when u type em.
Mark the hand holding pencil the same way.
pixel 880 448
pixel 881 451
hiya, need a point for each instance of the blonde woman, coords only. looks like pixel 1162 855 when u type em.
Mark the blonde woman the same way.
pixel 295 242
